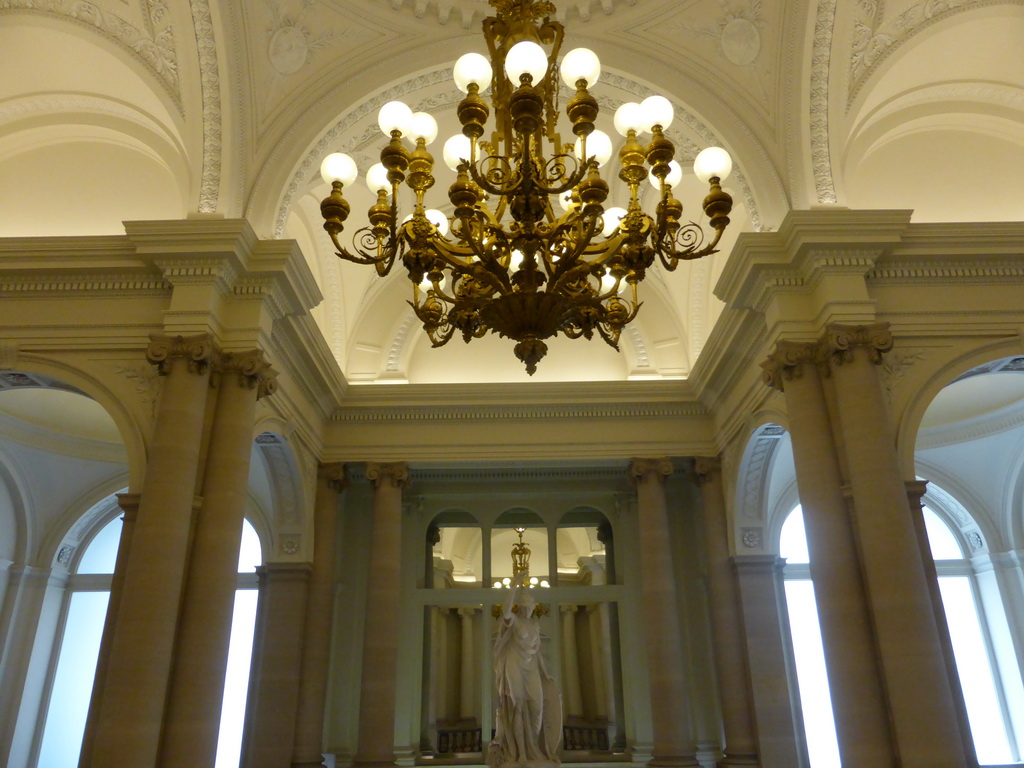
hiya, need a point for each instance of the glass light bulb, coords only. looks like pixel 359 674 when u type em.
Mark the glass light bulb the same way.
pixel 629 117
pixel 338 166
pixel 438 219
pixel 423 126
pixel 534 581
pixel 506 581
pixel 472 68
pixel 713 161
pixel 526 57
pixel 456 149
pixel 426 285
pixel 565 201
pixel 516 260
pixel 608 283
pixel 395 116
pixel 544 583
pixel 675 175
pixel 599 146
pixel 580 64
pixel 377 178
pixel 497 585
pixel 657 111
pixel 611 219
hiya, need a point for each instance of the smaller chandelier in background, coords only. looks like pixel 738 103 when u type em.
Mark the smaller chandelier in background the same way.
pixel 530 251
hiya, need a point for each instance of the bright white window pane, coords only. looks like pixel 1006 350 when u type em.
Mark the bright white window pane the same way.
pixel 792 539
pixel 251 554
pixel 972 663
pixel 100 555
pixel 72 684
pixel 943 543
pixel 236 680
pixel 815 699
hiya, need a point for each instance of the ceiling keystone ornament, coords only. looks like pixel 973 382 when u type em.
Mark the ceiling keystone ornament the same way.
pixel 530 251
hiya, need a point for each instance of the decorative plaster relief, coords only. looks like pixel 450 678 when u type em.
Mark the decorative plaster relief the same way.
pixel 975 541
pixel 209 83
pixel 894 367
pixel 153 44
pixel 290 544
pixel 468 10
pixel 147 384
pixel 875 37
pixel 821 58
pixel 736 29
pixel 752 538
pixel 291 44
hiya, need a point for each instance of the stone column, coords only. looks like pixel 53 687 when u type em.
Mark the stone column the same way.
pixel 670 711
pixel 854 678
pixel 766 634
pixel 616 704
pixel 376 746
pixel 276 665
pixel 197 684
pixel 926 722
pixel 130 712
pixel 570 662
pixel 467 663
pixel 726 621
pixel 130 506
pixel 596 619
pixel 316 649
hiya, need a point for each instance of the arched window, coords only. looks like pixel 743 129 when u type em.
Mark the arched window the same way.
pixel 988 710
pixel 79 631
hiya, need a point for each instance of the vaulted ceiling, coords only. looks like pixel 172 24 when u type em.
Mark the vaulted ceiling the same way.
pixel 116 110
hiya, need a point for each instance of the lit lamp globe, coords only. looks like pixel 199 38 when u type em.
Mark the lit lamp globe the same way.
pixel 377 178
pixel 611 219
pixel 629 117
pixel 423 126
pixel 657 111
pixel 472 68
pixel 712 162
pixel 338 166
pixel 456 149
pixel 438 219
pixel 675 175
pixel 580 64
pixel 599 146
pixel 526 58
pixel 395 116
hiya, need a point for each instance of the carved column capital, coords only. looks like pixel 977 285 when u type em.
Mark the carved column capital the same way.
pixel 787 361
pixel 567 609
pixel 839 341
pixel 334 475
pixel 395 474
pixel 916 490
pixel 467 612
pixel 197 351
pixel 642 469
pixel 704 467
pixel 129 503
pixel 251 369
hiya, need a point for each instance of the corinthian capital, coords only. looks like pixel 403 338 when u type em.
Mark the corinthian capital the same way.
pixel 334 475
pixel 197 351
pixel 787 361
pixel 641 470
pixel 704 467
pixel 395 474
pixel 839 341
pixel 251 369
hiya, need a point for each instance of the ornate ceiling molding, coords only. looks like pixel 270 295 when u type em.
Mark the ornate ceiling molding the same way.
pixel 517 412
pixel 209 83
pixel 152 46
pixel 466 11
pixel 821 58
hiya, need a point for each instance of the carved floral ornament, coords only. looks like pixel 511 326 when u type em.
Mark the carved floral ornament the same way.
pixel 836 347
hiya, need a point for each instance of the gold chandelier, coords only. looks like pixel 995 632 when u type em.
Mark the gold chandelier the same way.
pixel 507 260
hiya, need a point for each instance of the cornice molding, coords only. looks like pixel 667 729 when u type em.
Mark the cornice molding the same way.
pixel 505 412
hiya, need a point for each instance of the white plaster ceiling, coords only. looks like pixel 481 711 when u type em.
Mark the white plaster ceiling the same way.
pixel 115 110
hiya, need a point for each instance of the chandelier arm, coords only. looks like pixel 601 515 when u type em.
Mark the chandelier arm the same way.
pixel 383 262
pixel 575 179
pixel 481 179
pixel 670 257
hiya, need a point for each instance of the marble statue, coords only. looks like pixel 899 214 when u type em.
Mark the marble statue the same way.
pixel 528 721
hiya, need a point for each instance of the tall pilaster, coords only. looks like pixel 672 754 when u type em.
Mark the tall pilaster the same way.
pixel 670 712
pixel 276 665
pixel 854 677
pixel 316 650
pixel 726 621
pixel 570 662
pixel 380 634
pixel 925 719
pixel 467 665
pixel 192 720
pixel 130 712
